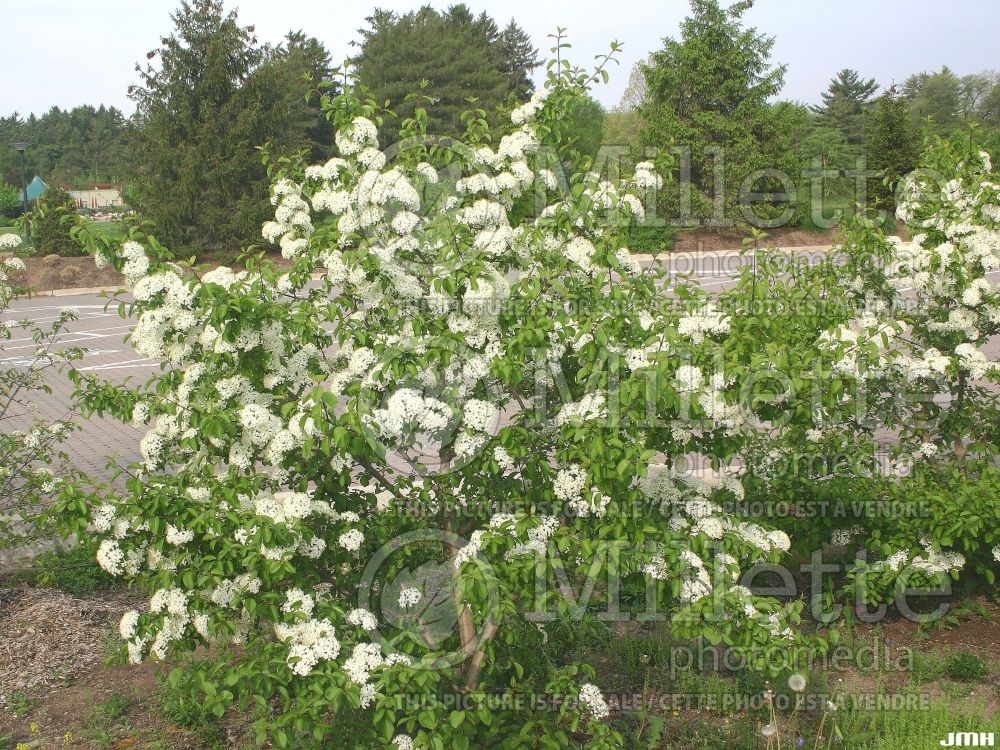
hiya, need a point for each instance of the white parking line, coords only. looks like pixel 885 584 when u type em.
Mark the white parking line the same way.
pixel 127 364
pixel 83 336
pixel 18 308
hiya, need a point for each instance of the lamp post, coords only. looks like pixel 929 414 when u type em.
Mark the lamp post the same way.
pixel 24 193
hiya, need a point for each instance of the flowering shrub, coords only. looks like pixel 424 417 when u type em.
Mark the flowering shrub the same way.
pixel 28 444
pixel 383 471
pixel 481 369
pixel 891 364
pixel 937 286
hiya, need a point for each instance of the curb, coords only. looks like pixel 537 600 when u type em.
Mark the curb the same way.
pixel 101 289
pixel 77 290
pixel 687 254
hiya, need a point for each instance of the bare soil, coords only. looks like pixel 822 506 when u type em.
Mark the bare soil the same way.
pixel 730 239
pixel 58 689
pixel 55 272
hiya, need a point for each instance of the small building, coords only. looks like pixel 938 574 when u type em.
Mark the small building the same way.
pixel 96 197
pixel 35 188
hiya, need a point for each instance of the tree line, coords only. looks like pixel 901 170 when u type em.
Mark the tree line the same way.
pixel 712 92
pixel 216 109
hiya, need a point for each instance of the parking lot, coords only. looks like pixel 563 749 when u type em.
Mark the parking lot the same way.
pixel 101 332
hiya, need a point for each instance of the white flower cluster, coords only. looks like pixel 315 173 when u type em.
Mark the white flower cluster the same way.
pixel 707 321
pixel 479 415
pixel 309 643
pixel 646 176
pixel 528 111
pixel 365 659
pixel 408 409
pixel 932 562
pixel 292 225
pixel 974 361
pixel 362 618
pixel 851 346
pixel 697 583
pixel 590 406
pixel 570 486
pixel 172 603
pixel 592 699
pixel 136 263
pixel 409 598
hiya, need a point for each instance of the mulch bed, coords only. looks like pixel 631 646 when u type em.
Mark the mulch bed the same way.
pixel 55 272
pixel 48 637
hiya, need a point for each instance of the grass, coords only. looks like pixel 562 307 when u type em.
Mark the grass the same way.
pixel 112 229
pixel 914 730
pixel 965 667
pixel 107 723
pixel 831 206
pixel 21 704
pixel 718 710
pixel 74 571
pixel 185 708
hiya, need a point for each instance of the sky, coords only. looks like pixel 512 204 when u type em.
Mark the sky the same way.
pixel 69 52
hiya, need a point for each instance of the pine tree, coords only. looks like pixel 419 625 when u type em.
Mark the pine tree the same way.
pixel 517 57
pixel 891 145
pixel 844 103
pixel 300 64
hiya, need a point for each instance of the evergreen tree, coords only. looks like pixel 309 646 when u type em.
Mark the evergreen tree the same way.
pixel 891 145
pixel 458 55
pixel 517 57
pixel 215 97
pixel 301 64
pixel 192 141
pixel 844 103
pixel 708 91
pixel 74 147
